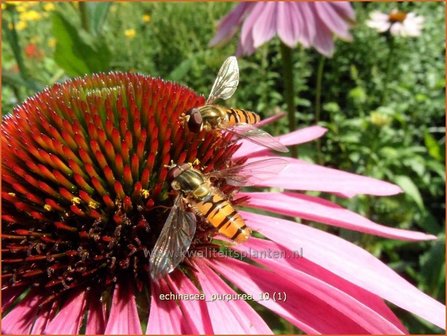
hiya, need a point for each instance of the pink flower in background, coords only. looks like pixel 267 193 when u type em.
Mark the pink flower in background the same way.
pixel 311 24
pixel 85 198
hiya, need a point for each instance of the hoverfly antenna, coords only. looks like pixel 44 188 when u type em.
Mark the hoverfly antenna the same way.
pixel 170 166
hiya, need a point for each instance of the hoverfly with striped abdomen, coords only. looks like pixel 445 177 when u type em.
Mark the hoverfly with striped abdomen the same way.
pixel 197 196
pixel 233 120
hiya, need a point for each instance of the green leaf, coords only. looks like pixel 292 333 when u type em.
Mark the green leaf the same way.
pixel 432 146
pixel 410 189
pixel 433 267
pixel 76 54
pixel 95 15
pixel 181 70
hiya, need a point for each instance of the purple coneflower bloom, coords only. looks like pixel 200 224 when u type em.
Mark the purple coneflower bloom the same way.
pixel 85 196
pixel 312 24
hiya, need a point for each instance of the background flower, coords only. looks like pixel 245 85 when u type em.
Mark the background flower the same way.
pixel 312 24
pixel 398 23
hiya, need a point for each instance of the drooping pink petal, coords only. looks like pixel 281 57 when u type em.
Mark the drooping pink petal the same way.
pixel 323 211
pixel 69 318
pixel 301 175
pixel 332 20
pixel 165 316
pixel 96 314
pixel 297 137
pixel 20 319
pixel 230 316
pixel 307 18
pixel 323 40
pixel 350 306
pixel 197 311
pixel 288 23
pixel 348 261
pixel 123 318
pixel 344 9
pixel 246 43
pixel 264 28
pixel 301 308
pixel 262 250
pixel 230 23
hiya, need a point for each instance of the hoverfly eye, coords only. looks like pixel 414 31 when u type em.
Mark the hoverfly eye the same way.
pixel 195 121
pixel 173 173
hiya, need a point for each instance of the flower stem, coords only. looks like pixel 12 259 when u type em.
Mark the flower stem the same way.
pixel 318 88
pixel 318 103
pixel 390 43
pixel 286 54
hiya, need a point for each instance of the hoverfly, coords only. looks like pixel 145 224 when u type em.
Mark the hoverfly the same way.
pixel 236 121
pixel 198 197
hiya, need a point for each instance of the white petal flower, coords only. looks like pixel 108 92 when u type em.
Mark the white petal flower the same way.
pixel 378 21
pixel 398 23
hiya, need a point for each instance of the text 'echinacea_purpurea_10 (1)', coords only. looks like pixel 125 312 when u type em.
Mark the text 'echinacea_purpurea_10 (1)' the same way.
pixel 121 197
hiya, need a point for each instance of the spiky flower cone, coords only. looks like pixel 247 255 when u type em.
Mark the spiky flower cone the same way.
pixel 84 181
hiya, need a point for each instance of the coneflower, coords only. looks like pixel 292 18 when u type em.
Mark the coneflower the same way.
pixel 85 195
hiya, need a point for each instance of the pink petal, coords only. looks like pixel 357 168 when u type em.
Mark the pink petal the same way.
pixel 332 20
pixel 354 309
pixel 165 316
pixel 266 248
pixel 323 40
pixel 344 9
pixel 307 18
pixel 69 318
pixel 301 175
pixel 197 311
pixel 297 137
pixel 349 262
pixel 21 318
pixel 323 211
pixel 123 318
pixel 96 315
pixel 271 119
pixel 246 43
pixel 288 23
pixel 264 28
pixel 229 24
pixel 303 309
pixel 228 316
pixel 42 319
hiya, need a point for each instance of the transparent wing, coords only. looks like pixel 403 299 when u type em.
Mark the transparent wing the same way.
pixel 226 81
pixel 258 136
pixel 251 173
pixel 174 240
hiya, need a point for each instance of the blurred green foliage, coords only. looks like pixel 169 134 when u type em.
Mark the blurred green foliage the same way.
pixel 384 109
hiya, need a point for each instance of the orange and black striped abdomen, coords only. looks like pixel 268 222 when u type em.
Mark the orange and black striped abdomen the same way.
pixel 221 214
pixel 240 116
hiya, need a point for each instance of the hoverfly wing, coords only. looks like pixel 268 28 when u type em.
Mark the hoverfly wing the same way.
pixel 258 136
pixel 226 81
pixel 251 173
pixel 174 240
